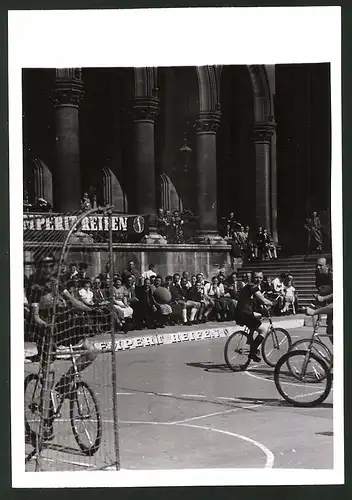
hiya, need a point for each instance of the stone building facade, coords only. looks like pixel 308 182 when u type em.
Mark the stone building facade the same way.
pixel 252 139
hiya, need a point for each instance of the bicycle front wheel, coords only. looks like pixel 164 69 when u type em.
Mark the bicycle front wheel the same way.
pixel 302 378
pixel 85 418
pixel 276 343
pixel 317 347
pixel 236 351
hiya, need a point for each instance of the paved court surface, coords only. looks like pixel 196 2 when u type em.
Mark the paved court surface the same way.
pixel 179 406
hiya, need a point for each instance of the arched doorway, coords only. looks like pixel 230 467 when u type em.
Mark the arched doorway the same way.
pixel 235 147
pixel 174 127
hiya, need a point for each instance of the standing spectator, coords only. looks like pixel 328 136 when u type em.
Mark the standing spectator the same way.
pixel 145 316
pixel 150 272
pixel 290 296
pixel 106 275
pixel 324 285
pixel 82 273
pixel 176 279
pixel 193 279
pixel 130 271
pixel 313 227
pixel 250 250
pixel 168 282
pixel 260 243
pixel 72 272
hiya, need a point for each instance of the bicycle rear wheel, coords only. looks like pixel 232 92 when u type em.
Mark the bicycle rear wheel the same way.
pixel 85 418
pixel 276 343
pixel 302 378
pixel 32 406
pixel 236 351
pixel 318 348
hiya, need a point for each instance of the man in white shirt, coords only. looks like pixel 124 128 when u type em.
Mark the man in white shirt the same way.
pixel 279 289
pixel 151 272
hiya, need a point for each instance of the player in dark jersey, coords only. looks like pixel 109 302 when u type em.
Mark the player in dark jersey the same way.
pixel 44 296
pixel 246 315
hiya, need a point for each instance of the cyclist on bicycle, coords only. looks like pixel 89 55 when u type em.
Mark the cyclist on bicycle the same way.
pixel 246 315
pixel 67 330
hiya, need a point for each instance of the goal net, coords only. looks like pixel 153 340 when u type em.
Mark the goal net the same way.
pixel 70 400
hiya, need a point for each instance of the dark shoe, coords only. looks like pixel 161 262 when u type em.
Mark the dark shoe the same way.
pixel 254 356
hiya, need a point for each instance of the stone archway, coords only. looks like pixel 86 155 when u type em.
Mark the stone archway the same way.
pixel 112 192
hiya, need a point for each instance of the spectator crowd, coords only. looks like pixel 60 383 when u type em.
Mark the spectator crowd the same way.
pixel 246 244
pixel 149 300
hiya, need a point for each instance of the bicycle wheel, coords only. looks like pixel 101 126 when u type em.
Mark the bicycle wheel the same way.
pixel 32 405
pixel 276 343
pixel 85 416
pixel 236 351
pixel 318 348
pixel 302 381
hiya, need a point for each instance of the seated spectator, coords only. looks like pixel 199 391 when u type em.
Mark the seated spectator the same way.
pixel 72 273
pixel 82 273
pixel 179 293
pixel 168 282
pixel 176 279
pixel 193 279
pixel 193 304
pixel 212 293
pixel 120 304
pixel 85 293
pixel 270 249
pixel 163 309
pixel 232 291
pixel 100 296
pixel 267 286
pixel 186 275
pixel 150 272
pixel 152 279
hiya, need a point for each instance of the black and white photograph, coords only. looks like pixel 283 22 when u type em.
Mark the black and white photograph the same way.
pixel 179 228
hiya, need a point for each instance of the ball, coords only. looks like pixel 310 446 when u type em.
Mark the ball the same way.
pixel 162 295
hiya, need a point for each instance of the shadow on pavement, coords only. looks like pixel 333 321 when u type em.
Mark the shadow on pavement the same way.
pixel 275 402
pixel 211 367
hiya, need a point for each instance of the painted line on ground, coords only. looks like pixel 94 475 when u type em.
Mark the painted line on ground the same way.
pixel 248 372
pixel 268 453
pixel 192 395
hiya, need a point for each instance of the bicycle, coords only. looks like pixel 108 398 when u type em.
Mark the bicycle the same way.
pixel 237 346
pixel 311 365
pixel 315 344
pixel 84 413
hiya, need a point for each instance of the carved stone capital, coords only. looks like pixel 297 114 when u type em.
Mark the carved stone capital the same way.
pixel 145 109
pixel 68 92
pixel 263 131
pixel 208 122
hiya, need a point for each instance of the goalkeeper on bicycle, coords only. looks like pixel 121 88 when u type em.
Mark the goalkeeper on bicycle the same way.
pixel 45 294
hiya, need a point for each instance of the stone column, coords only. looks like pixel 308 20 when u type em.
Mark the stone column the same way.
pixel 262 139
pixel 207 125
pixel 68 93
pixel 145 111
